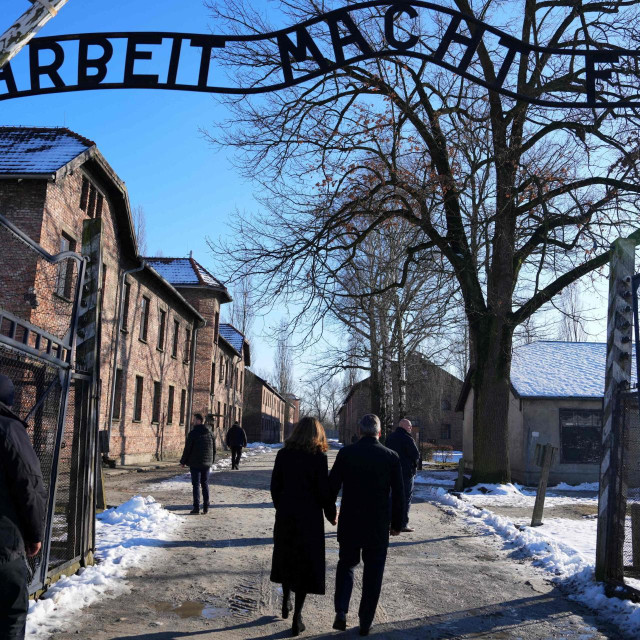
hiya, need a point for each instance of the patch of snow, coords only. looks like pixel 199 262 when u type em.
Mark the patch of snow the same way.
pixel 585 486
pixel 447 456
pixel 125 537
pixel 443 478
pixel 561 547
pixel 517 495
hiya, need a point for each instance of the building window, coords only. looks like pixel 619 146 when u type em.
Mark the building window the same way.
pixel 445 404
pixel 226 374
pixel 176 334
pixel 580 436
pixel 216 326
pixel 241 380
pixel 183 404
pixel 224 424
pixel 117 395
pixel 137 406
pixel 84 194
pixel 65 268
pixel 99 202
pixel 157 397
pixel 445 432
pixel 91 208
pixel 124 323
pixel 212 382
pixel 144 318
pixel 170 405
pixel 221 368
pixel 187 345
pixel 162 329
pixel 219 415
pixel 239 415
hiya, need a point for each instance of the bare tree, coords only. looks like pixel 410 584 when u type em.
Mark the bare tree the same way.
pixel 283 363
pixel 518 200
pixel 140 227
pixel 572 317
pixel 242 311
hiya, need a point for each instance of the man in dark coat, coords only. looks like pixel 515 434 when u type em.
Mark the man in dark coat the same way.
pixel 369 475
pixel 236 439
pixel 23 501
pixel 199 454
pixel 404 445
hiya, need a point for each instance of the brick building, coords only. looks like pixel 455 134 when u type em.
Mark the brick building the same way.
pixel 432 393
pixel 264 410
pixel 158 327
pixel 291 413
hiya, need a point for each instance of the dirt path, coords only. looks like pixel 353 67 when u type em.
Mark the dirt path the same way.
pixel 212 580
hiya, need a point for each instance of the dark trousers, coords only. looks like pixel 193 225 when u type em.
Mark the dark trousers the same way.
pixel 374 560
pixel 236 453
pixel 14 599
pixel 407 480
pixel 200 478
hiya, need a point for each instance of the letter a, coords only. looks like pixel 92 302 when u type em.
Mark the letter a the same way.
pixel 339 41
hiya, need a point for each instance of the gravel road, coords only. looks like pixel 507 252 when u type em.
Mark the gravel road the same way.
pixel 212 580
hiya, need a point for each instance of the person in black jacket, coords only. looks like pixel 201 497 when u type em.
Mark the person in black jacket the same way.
pixel 369 475
pixel 300 493
pixel 236 439
pixel 23 501
pixel 199 454
pixel 404 445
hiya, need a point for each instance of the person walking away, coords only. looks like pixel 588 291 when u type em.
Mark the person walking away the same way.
pixel 199 455
pixel 23 501
pixel 370 476
pixel 404 445
pixel 236 439
pixel 300 493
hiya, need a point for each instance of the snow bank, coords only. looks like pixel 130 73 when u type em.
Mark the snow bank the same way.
pixel 553 549
pixel 125 537
pixel 517 495
pixel 585 486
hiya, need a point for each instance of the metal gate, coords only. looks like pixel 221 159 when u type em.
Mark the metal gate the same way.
pixel 40 301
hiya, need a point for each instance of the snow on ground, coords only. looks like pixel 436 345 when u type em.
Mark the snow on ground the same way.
pixel 442 478
pixel 447 456
pixel 585 486
pixel 125 538
pixel 516 495
pixel 564 548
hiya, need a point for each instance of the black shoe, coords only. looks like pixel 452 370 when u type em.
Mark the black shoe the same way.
pixel 298 626
pixel 364 631
pixel 340 622
pixel 195 511
pixel 205 508
pixel 287 607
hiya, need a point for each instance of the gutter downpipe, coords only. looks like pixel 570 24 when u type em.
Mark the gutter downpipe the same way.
pixel 198 324
pixel 143 264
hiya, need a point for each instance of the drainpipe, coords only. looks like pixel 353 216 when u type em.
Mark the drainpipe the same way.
pixel 117 344
pixel 198 324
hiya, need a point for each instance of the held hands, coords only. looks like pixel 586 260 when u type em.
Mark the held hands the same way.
pixel 32 548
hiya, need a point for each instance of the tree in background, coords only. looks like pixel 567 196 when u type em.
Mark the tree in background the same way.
pixel 519 200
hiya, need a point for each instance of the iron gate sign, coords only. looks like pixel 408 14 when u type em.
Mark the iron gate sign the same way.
pixel 98 64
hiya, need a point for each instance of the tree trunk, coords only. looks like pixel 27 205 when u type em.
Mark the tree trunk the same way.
pixel 492 359
pixel 402 365
pixel 374 380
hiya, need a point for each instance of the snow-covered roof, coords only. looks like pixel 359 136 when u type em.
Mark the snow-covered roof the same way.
pixel 232 336
pixel 560 369
pixel 38 150
pixel 181 272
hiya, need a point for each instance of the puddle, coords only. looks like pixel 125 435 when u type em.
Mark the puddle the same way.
pixel 192 609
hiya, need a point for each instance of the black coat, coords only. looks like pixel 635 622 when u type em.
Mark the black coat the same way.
pixel 370 476
pixel 404 445
pixel 23 498
pixel 300 493
pixel 236 437
pixel 200 448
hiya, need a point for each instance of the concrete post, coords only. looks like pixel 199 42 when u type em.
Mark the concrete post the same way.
pixel 545 456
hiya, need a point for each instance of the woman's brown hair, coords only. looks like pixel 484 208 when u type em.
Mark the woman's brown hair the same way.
pixel 309 436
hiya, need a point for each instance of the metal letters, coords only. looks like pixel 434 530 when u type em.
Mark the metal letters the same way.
pixel 324 44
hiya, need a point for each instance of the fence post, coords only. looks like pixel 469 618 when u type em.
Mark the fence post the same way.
pixel 612 498
pixel 545 456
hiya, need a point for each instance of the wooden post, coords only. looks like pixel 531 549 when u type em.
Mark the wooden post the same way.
pixel 460 481
pixel 545 456
pixel 613 492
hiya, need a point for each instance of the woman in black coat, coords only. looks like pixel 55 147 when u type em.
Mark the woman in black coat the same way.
pixel 300 492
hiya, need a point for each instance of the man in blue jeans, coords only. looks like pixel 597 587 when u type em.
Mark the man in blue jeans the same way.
pixel 199 455
pixel 372 507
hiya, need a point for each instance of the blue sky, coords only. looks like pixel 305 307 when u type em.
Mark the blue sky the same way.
pixel 150 138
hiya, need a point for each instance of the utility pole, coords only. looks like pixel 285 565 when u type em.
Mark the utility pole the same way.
pixel 26 26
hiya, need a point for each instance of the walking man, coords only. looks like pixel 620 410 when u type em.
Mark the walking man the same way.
pixel 23 502
pixel 199 455
pixel 369 475
pixel 404 445
pixel 236 439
